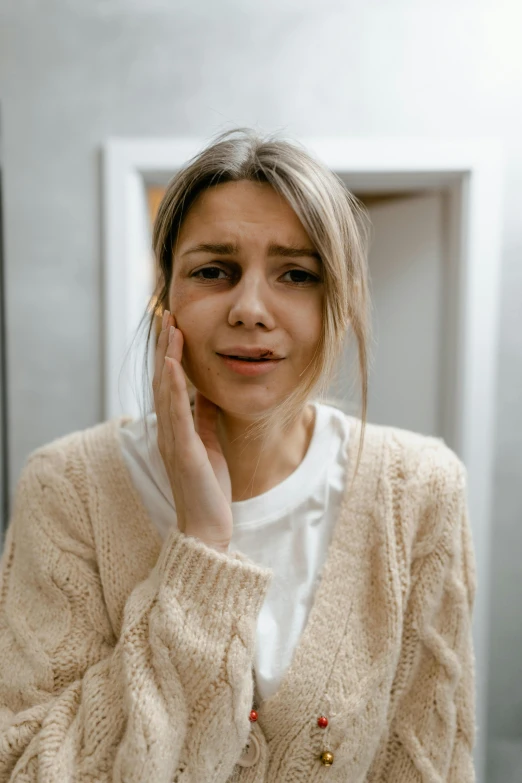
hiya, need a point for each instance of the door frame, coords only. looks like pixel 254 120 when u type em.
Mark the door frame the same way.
pixel 469 173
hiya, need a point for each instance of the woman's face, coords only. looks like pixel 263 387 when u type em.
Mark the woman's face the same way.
pixel 257 285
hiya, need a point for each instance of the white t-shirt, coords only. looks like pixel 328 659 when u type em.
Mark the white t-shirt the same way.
pixel 287 529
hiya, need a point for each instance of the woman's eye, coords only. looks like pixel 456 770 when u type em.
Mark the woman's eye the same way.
pixel 299 276
pixel 302 276
pixel 209 273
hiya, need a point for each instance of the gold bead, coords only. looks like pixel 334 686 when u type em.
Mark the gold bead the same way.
pixel 327 758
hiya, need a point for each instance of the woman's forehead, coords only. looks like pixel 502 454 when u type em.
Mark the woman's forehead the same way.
pixel 237 207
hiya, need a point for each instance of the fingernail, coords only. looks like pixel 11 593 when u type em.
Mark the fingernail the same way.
pixel 165 319
pixel 171 333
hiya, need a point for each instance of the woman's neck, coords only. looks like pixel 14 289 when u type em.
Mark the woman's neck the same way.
pixel 254 469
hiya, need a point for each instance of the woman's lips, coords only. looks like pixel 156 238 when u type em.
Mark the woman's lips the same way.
pixel 252 368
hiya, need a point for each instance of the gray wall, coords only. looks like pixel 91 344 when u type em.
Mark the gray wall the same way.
pixel 73 73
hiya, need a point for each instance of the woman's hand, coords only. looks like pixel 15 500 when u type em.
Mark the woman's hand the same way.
pixel 190 449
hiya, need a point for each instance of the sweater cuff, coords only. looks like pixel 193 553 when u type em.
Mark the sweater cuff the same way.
pixel 199 574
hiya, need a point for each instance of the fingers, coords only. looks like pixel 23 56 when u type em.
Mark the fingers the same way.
pixel 159 365
pixel 174 343
pixel 171 399
pixel 161 350
pixel 159 360
pixel 180 413
pixel 172 403
pixel 160 371
pixel 163 341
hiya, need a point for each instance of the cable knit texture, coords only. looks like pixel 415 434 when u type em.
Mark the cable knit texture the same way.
pixel 126 658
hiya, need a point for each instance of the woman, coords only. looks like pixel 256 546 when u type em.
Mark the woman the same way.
pixel 263 588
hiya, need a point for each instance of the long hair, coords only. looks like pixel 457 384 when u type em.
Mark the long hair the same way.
pixel 337 224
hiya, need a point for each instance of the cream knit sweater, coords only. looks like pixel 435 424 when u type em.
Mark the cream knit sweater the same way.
pixel 125 658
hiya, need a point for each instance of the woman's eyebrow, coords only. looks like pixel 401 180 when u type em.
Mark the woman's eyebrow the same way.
pixel 229 249
pixel 216 248
pixel 292 251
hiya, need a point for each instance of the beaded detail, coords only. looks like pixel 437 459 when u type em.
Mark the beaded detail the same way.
pixel 327 758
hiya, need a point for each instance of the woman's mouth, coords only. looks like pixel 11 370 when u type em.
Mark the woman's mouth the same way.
pixel 248 365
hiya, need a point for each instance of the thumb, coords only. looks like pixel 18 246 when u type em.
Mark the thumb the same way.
pixel 205 421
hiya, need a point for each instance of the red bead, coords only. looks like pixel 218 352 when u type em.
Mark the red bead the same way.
pixel 253 715
pixel 322 722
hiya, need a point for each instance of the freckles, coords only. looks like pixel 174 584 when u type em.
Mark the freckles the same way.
pixel 193 311
pixel 178 298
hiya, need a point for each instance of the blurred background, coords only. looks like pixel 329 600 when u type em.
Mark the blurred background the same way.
pixel 75 75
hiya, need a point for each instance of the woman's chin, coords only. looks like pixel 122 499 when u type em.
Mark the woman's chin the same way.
pixel 243 404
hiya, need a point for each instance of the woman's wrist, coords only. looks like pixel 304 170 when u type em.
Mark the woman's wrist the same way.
pixel 223 550
pixel 219 547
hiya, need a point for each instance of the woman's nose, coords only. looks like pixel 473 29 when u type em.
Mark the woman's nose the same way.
pixel 251 304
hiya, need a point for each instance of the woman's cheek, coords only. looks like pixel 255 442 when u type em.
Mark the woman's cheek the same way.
pixel 177 301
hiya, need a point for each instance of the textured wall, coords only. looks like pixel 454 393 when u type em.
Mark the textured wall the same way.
pixel 73 73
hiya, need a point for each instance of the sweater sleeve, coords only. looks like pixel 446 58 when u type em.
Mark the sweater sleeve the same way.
pixel 431 731
pixel 168 700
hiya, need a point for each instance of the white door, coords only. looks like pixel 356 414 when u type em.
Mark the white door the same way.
pixel 406 273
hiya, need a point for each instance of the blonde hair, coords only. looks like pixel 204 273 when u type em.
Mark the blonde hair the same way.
pixel 337 224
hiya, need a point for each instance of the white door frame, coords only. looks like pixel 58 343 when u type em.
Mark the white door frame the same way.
pixel 469 172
